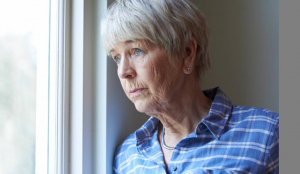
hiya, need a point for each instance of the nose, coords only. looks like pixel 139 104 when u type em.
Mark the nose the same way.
pixel 126 69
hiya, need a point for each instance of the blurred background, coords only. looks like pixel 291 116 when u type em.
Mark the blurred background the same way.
pixel 23 24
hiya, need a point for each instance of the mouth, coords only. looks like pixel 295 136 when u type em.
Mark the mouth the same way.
pixel 136 91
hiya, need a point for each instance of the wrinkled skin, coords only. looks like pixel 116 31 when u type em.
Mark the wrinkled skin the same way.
pixel 149 70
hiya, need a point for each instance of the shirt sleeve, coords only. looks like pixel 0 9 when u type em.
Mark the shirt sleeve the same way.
pixel 273 155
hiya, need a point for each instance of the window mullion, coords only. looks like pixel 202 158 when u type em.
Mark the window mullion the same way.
pixel 63 99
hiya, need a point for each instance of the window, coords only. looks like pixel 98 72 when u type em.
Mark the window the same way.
pixel 23 48
pixel 33 83
pixel 53 89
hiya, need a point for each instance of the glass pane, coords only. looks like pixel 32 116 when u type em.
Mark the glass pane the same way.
pixel 24 34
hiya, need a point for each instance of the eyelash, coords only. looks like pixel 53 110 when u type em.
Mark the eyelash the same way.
pixel 117 59
pixel 136 52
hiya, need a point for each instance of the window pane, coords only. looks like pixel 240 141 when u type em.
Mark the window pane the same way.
pixel 24 36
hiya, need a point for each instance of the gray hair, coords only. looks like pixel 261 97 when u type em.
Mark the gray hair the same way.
pixel 169 24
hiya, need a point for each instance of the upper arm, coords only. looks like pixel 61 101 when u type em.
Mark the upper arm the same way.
pixel 272 158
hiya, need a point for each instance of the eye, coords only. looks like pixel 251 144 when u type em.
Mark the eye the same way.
pixel 137 52
pixel 117 59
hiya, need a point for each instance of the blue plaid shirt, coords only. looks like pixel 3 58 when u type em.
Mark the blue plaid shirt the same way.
pixel 230 139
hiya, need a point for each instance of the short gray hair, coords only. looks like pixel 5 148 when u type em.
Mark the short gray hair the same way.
pixel 169 24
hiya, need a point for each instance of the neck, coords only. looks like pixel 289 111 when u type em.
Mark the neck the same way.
pixel 183 119
pixel 180 115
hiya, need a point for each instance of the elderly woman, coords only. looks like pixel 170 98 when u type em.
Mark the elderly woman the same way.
pixel 161 49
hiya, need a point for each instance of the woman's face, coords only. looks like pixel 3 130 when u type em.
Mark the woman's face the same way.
pixel 149 77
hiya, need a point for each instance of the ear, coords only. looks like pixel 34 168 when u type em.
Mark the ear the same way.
pixel 190 56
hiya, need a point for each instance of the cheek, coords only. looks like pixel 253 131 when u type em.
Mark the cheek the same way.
pixel 160 81
pixel 123 84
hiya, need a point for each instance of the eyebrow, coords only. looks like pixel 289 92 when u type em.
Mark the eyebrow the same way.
pixel 128 41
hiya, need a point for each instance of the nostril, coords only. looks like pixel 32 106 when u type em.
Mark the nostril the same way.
pixel 129 76
pixel 126 73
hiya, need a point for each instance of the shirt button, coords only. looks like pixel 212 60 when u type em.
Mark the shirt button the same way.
pixel 174 168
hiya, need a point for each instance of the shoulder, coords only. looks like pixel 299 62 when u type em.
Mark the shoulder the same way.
pixel 129 140
pixel 129 153
pixel 262 127
pixel 257 123
pixel 245 113
pixel 129 144
pixel 124 152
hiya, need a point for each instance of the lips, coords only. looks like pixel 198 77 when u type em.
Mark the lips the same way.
pixel 137 90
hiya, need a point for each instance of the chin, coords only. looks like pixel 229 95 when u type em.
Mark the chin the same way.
pixel 143 106
pixel 140 106
pixel 146 106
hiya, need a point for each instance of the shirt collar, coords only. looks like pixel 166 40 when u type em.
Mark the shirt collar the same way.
pixel 146 131
pixel 219 112
pixel 215 120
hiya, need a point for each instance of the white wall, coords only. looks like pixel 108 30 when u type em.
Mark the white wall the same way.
pixel 244 50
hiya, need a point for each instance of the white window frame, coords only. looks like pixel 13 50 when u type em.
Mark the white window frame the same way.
pixel 52 118
pixel 87 90
pixel 63 86
pixel 72 100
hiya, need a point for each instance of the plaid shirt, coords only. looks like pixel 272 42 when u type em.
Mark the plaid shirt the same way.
pixel 230 139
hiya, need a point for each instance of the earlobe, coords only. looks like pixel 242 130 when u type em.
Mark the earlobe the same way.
pixel 188 70
pixel 190 56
